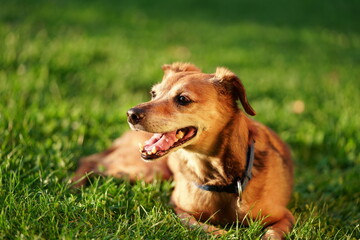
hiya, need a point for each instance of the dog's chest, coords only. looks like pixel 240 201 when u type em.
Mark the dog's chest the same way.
pixel 220 207
pixel 205 205
pixel 198 168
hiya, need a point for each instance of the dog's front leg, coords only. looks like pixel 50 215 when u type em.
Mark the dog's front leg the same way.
pixel 190 221
pixel 278 229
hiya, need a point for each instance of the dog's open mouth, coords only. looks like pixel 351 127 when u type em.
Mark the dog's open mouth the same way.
pixel 161 143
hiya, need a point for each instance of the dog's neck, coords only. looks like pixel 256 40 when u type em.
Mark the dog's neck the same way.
pixel 227 157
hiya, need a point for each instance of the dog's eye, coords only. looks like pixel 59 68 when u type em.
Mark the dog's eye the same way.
pixel 182 100
pixel 153 94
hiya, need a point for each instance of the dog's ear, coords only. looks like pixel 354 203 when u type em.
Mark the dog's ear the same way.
pixel 232 83
pixel 179 67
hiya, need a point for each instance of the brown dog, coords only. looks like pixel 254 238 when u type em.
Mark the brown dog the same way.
pixel 225 165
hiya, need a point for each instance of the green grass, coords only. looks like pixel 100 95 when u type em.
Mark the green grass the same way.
pixel 70 69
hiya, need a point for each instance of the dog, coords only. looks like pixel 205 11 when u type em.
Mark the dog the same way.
pixel 226 166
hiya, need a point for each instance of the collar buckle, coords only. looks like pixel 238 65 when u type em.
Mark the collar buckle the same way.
pixel 239 189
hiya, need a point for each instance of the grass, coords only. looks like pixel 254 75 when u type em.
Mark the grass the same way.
pixel 70 69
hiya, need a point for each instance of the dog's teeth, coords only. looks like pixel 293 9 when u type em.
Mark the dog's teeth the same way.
pixel 153 151
pixel 141 147
pixel 180 135
pixel 149 152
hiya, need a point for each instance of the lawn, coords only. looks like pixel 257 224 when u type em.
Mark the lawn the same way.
pixel 69 70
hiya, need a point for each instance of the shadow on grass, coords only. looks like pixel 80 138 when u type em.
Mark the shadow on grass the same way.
pixel 101 16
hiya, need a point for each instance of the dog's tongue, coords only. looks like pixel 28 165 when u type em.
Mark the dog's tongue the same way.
pixel 162 141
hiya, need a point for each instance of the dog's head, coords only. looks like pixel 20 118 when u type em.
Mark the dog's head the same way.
pixel 188 109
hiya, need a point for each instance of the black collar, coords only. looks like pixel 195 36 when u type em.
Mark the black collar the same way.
pixel 239 184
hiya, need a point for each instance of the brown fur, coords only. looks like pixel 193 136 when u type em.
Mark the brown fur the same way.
pixel 215 156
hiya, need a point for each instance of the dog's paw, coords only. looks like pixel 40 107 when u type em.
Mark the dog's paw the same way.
pixel 272 234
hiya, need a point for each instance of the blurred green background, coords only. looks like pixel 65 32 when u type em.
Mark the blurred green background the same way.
pixel 69 70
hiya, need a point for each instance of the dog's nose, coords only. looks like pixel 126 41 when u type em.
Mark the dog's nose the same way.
pixel 135 115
